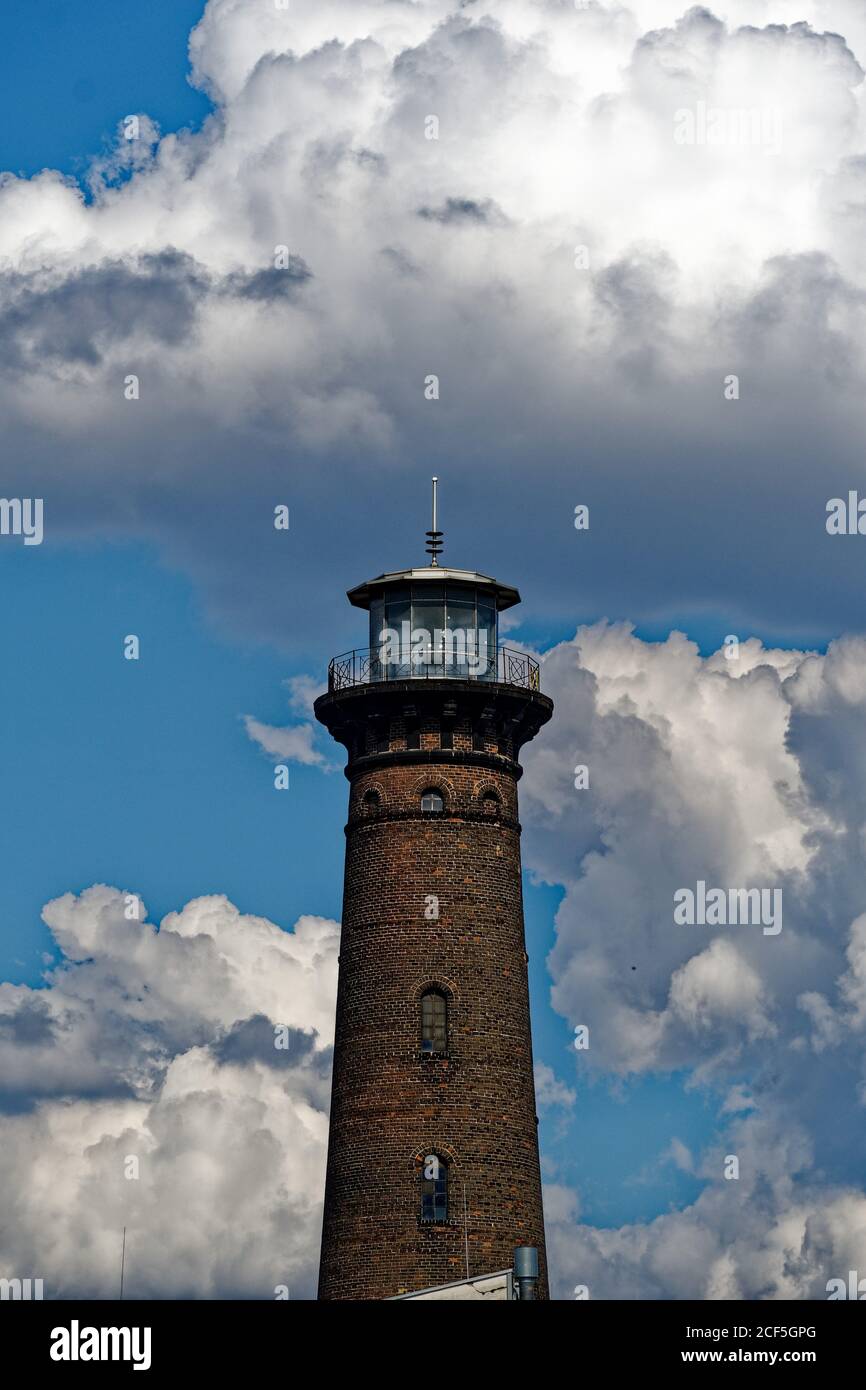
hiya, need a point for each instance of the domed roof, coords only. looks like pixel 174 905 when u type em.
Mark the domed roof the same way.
pixel 503 595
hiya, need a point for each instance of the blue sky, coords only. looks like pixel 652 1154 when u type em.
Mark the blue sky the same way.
pixel 141 773
pixel 100 62
pixel 706 517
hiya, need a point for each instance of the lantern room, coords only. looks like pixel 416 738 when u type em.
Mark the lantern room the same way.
pixel 434 622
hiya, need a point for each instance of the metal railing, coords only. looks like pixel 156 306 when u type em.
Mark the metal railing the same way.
pixel 368 667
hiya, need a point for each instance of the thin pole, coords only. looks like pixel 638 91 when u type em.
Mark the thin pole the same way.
pixel 466 1228
pixel 122 1263
pixel 434 537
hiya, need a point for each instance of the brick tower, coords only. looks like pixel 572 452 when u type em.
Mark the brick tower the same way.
pixel 433 1167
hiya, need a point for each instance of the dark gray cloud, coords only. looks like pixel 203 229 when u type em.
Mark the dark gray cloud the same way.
pixel 29 1025
pixel 454 211
pixel 48 318
pixel 269 285
pixel 254 1039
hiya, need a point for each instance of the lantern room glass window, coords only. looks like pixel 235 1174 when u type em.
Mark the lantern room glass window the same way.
pixel 434 629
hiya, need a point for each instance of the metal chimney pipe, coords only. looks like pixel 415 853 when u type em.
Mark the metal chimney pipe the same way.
pixel 526 1271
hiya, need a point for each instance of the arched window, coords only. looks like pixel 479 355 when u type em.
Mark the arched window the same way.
pixel 371 799
pixel 490 804
pixel 431 800
pixel 434 1188
pixel 434 1021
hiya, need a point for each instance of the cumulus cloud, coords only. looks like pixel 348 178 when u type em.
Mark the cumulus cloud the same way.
pixel 692 778
pixel 549 1090
pixel 772 1233
pixel 294 742
pixel 737 772
pixel 303 691
pixel 142 1087
pixel 284 281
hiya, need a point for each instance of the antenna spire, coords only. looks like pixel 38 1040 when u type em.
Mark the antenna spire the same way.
pixel 434 537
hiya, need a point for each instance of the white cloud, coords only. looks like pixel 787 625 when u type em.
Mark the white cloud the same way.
pixel 455 256
pixel 693 776
pixel 303 690
pixel 680 1156
pixel 718 984
pixel 549 1090
pixel 771 1234
pixel 158 1046
pixel 294 743
pixel 744 772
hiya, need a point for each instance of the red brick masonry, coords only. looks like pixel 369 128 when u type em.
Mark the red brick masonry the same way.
pixel 391 1105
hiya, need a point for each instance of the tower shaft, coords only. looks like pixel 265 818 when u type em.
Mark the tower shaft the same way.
pixel 433 1052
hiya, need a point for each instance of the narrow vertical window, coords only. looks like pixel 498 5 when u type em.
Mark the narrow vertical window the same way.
pixel 381 736
pixel 434 1021
pixel 434 1188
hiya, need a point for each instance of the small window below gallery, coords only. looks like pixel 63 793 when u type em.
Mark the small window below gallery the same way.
pixel 381 738
pixel 446 736
pixel 434 1189
pixel 479 743
pixel 431 800
pixel 413 735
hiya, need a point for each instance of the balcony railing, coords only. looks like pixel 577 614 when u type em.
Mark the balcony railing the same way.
pixel 369 667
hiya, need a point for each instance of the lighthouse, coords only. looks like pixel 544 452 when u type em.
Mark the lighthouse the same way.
pixel 433 1171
